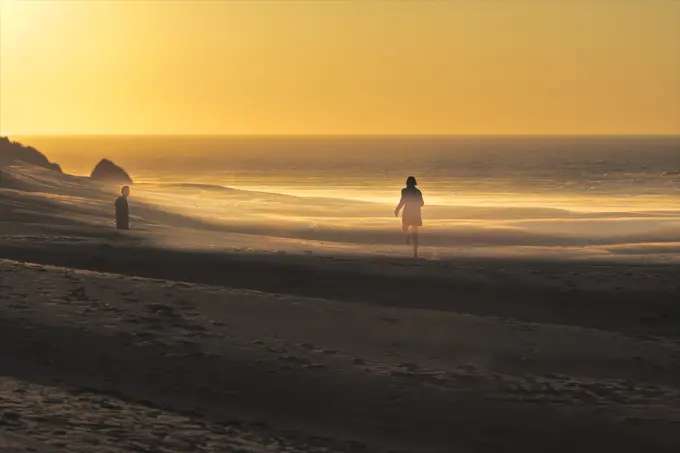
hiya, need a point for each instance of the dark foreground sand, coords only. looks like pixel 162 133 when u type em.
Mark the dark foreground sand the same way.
pixel 105 362
pixel 110 344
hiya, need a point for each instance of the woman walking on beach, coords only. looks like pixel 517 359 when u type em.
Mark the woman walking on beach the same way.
pixel 411 219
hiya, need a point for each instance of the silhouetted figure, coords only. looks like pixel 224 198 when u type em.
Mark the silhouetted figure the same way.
pixel 122 210
pixel 411 219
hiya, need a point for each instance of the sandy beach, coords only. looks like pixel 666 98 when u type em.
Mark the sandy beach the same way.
pixel 320 226
pixel 122 342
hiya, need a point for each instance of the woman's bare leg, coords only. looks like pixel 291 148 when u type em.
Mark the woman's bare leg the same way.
pixel 414 239
pixel 405 229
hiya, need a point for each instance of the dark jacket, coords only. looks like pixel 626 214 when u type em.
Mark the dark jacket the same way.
pixel 122 214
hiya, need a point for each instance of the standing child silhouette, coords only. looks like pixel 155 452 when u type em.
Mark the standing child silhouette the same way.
pixel 411 219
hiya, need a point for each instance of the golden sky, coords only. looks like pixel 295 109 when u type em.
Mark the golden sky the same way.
pixel 335 67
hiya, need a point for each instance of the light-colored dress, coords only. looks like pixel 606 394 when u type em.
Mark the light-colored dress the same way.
pixel 412 201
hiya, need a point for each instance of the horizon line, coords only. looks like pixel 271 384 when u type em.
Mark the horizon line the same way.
pixel 335 135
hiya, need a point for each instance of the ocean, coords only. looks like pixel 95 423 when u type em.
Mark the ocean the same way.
pixel 546 195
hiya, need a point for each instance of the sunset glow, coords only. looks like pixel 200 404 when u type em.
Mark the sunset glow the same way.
pixel 458 67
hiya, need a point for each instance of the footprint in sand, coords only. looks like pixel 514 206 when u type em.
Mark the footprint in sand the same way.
pixel 293 359
pixel 185 303
pixel 409 366
pixel 161 309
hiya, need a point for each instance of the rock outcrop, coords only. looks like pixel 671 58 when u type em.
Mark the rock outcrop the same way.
pixel 12 152
pixel 107 171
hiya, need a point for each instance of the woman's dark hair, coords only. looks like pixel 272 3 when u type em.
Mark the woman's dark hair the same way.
pixel 411 181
